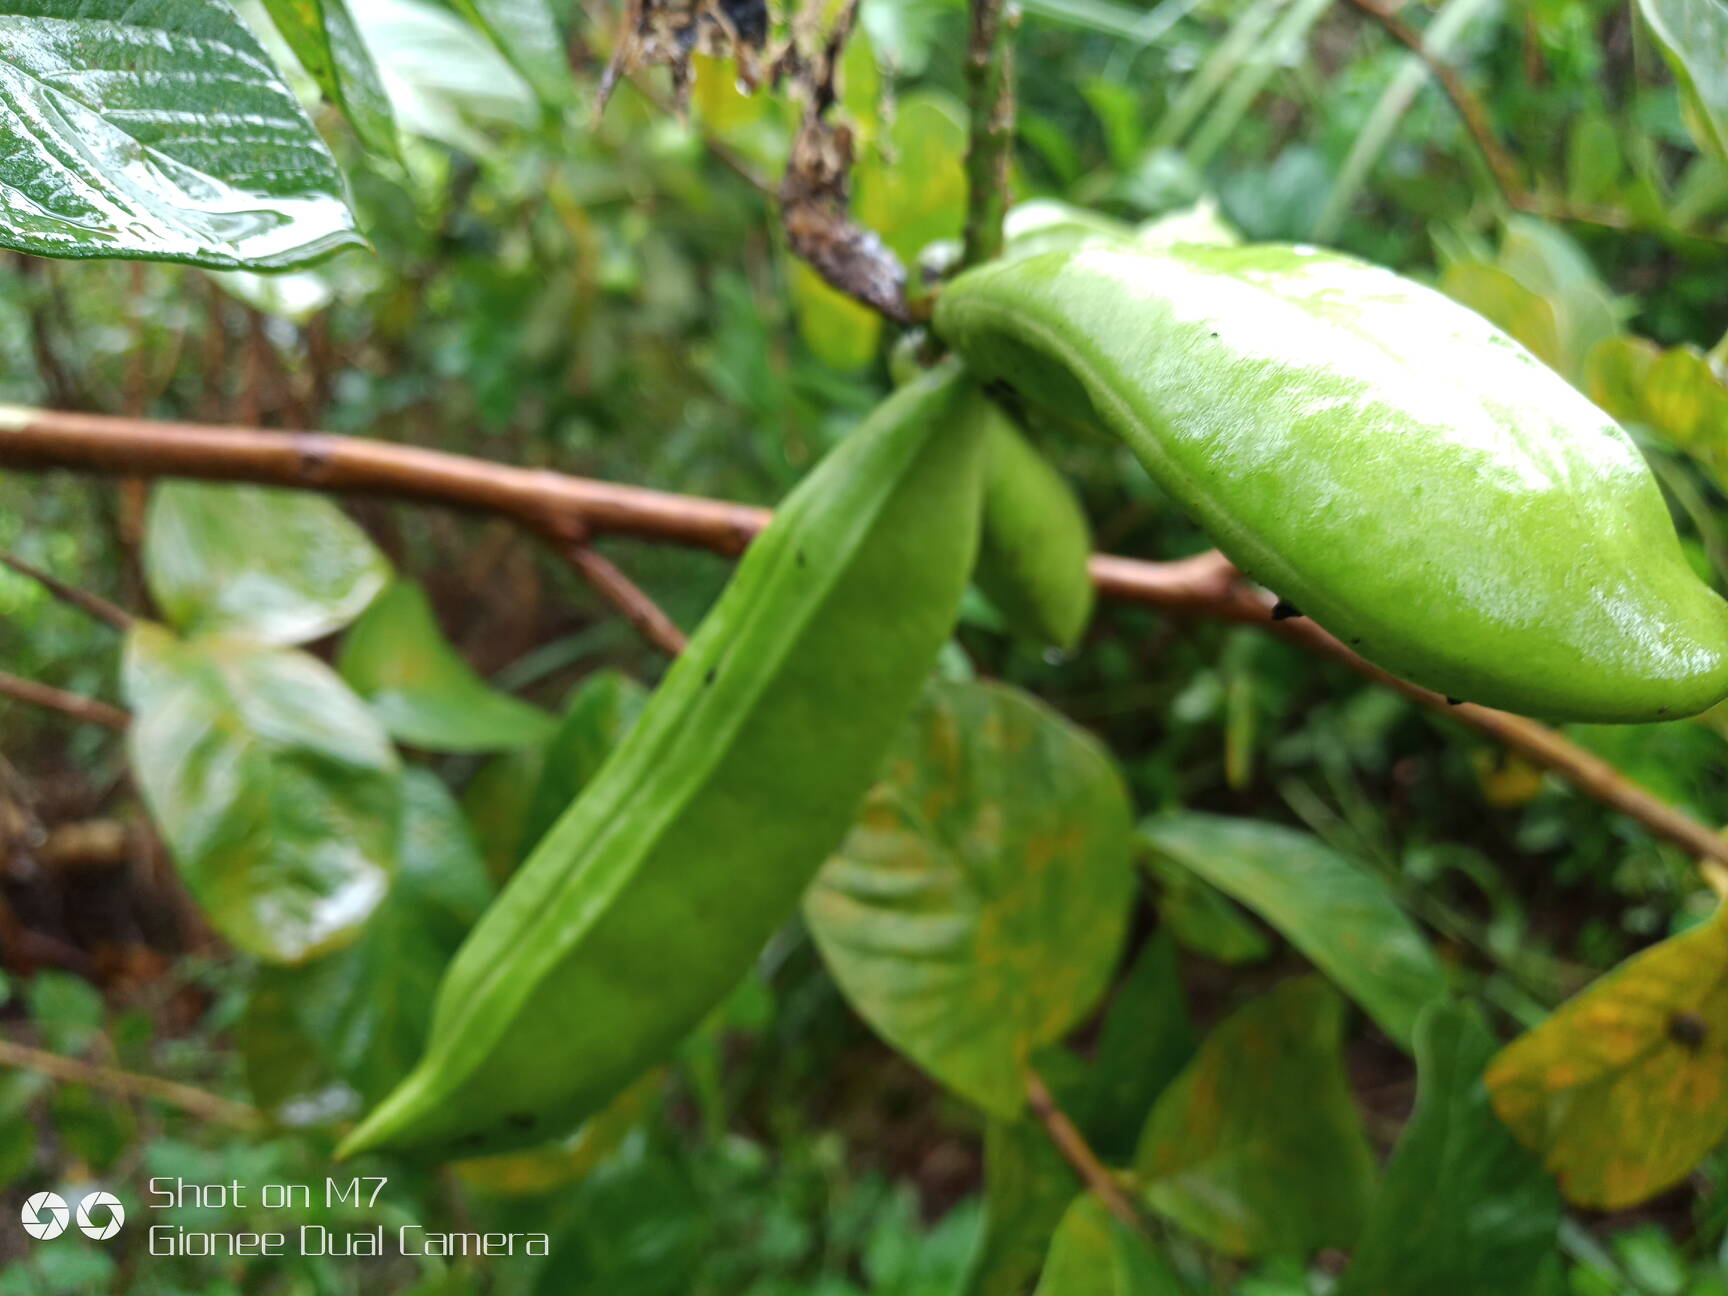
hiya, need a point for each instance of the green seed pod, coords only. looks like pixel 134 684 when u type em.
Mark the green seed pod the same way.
pixel 648 899
pixel 1382 458
pixel 1035 543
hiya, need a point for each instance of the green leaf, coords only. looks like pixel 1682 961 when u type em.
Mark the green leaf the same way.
pixel 497 800
pixel 157 132
pixel 275 789
pixel 1203 919
pixel 1340 915
pixel 977 909
pixel 1621 1091
pixel 272 566
pixel 840 332
pixel 914 191
pixel 1146 1040
pixel 422 691
pixel 366 1009
pixel 1027 1187
pixel 1256 1148
pixel 325 39
pixel 66 1009
pixel 600 712
pixel 525 34
pixel 1462 1207
pixel 1497 296
pixel 1095 1254
pixel 1693 37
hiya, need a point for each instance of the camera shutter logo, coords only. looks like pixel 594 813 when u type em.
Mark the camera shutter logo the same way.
pixel 94 1224
pixel 44 1215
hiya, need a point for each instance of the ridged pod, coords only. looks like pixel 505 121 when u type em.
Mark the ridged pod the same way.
pixel 1382 458
pixel 1035 542
pixel 649 898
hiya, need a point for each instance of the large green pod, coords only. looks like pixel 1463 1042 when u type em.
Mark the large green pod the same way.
pixel 1035 543
pixel 1379 456
pixel 649 898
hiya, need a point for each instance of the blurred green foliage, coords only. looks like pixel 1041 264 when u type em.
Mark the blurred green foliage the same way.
pixel 615 299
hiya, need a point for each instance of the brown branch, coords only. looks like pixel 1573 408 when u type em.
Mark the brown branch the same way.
pixel 92 604
pixel 69 1070
pixel 75 705
pixel 990 141
pixel 551 503
pixel 629 598
pixel 1078 1153
pixel 1469 108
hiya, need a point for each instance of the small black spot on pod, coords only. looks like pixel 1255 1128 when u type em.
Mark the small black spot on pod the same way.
pixel 801 559
pixel 709 677
pixel 520 1120
pixel 1452 701
pixel 473 1140
pixel 1355 641
pixel 1688 1030
pixel 1282 611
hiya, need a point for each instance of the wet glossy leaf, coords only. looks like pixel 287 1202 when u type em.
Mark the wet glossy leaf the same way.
pixel 365 1009
pixel 1622 1091
pixel 273 566
pixel 525 34
pixel 328 44
pixel 1095 1254
pixel 106 148
pixel 977 909
pixel 1146 1040
pixel 276 790
pixel 1027 1188
pixel 600 712
pixel 1462 1207
pixel 1338 913
pixel 1693 37
pixel 425 694
pixel 914 191
pixel 1256 1148
pixel 443 76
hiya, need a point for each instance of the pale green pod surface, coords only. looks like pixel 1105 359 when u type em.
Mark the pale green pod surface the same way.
pixel 1382 458
pixel 1035 542
pixel 649 898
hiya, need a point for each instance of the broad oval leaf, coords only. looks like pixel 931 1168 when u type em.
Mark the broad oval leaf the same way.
pixel 425 694
pixel 1096 1254
pixel 1340 915
pixel 1256 1148
pixel 1693 37
pixel 1621 1090
pixel 1462 1207
pixel 364 1010
pixel 913 192
pixel 275 789
pixel 977 909
pixel 272 566
pixel 328 44
pixel 157 132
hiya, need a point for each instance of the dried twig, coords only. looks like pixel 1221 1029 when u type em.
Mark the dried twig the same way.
pixel 75 705
pixel 197 1102
pixel 93 604
pixel 1204 586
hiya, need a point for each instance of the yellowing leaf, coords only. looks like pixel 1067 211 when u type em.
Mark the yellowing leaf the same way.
pixel 841 332
pixel 913 191
pixel 976 910
pixel 1622 1091
pixel 1256 1148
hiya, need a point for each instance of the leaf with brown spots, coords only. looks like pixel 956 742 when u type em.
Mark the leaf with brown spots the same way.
pixel 1256 1148
pixel 977 909
pixel 1622 1089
